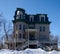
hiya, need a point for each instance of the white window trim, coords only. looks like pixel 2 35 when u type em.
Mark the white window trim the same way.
pixel 31 17
pixel 42 16
pixel 18 14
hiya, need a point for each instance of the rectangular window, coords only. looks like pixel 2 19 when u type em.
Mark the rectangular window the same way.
pixel 20 16
pixel 23 27
pixel 19 27
pixel 43 29
pixel 40 28
pixel 24 36
pixel 32 19
pixel 20 36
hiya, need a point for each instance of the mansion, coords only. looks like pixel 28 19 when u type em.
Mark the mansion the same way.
pixel 30 31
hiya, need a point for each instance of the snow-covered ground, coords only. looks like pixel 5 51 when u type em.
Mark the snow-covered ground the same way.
pixel 28 51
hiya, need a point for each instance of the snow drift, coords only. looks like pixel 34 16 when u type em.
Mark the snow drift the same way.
pixel 28 51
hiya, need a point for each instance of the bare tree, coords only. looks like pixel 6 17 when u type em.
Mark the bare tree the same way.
pixel 6 27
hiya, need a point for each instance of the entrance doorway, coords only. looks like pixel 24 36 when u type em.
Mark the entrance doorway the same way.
pixel 33 46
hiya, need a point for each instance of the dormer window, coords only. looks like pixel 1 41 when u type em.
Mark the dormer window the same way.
pixel 31 18
pixel 19 15
pixel 18 12
pixel 42 18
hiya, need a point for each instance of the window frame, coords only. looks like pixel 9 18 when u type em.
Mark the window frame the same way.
pixel 40 18
pixel 43 28
pixel 31 18
pixel 20 36
pixel 40 28
pixel 20 26
pixel 19 15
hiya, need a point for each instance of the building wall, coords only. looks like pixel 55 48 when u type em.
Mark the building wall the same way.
pixel 41 33
pixel 22 30
pixel 27 21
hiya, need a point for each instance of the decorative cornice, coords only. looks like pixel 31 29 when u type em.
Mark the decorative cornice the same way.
pixel 22 20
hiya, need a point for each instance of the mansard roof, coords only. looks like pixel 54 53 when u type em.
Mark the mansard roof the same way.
pixel 27 16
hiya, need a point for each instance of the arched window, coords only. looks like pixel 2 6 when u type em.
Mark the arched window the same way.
pixel 31 18
pixel 19 15
pixel 18 12
pixel 42 18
